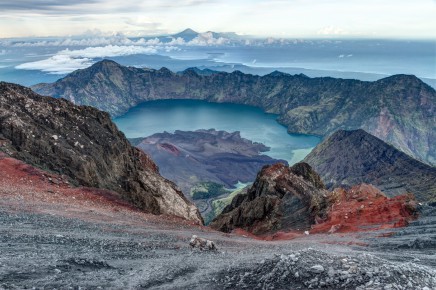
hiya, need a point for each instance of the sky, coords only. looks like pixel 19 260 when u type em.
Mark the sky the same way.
pixel 276 18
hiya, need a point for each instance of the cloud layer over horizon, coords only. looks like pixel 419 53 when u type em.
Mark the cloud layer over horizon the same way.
pixel 68 60
pixel 280 18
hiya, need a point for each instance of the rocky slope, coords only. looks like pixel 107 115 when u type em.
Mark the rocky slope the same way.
pixel 351 157
pixel 191 157
pixel 281 198
pixel 82 144
pixel 400 109
pixel 54 236
pixel 314 269
pixel 285 199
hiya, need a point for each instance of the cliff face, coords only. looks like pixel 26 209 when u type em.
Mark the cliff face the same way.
pixel 281 198
pixel 400 109
pixel 83 144
pixel 347 158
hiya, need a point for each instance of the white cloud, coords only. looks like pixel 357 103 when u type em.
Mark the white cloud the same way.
pixel 207 38
pixel 57 64
pixel 344 55
pixel 331 30
pixel 169 48
pixel 66 61
pixel 177 41
pixel 96 40
pixel 109 50
pixel 203 39
pixel 154 41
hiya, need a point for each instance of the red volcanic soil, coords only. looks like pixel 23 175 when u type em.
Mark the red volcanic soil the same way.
pixel 274 169
pixel 364 208
pixel 170 148
pixel 24 187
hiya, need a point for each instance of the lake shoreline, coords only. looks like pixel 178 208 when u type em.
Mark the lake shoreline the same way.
pixel 150 117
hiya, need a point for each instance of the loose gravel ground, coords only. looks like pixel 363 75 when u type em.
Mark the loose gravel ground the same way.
pixel 53 236
pixel 50 251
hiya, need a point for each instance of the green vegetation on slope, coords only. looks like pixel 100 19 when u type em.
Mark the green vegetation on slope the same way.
pixel 219 204
pixel 204 190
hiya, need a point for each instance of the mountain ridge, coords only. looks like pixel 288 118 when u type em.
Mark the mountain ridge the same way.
pixel 346 158
pixel 400 109
pixel 83 144
pixel 189 34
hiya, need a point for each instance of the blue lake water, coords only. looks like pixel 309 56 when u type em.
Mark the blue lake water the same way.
pixel 187 115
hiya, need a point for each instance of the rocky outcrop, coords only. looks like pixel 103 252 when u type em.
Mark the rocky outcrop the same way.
pixel 347 158
pixel 84 145
pixel 363 207
pixel 286 200
pixel 191 157
pixel 281 198
pixel 400 109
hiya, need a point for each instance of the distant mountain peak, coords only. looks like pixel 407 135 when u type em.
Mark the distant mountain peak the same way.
pixel 189 31
pixel 106 61
pixel 104 64
pixel 403 78
pixel 165 71
pixel 198 71
pixel 341 133
pixel 187 34
pixel 277 73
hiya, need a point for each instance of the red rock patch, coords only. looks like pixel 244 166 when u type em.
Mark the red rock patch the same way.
pixel 26 188
pixel 365 208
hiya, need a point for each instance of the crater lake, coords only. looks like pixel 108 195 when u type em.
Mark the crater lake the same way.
pixel 189 115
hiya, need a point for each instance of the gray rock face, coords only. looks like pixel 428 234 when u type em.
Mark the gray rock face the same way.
pixel 352 157
pixel 82 143
pixel 400 109
pixel 281 198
